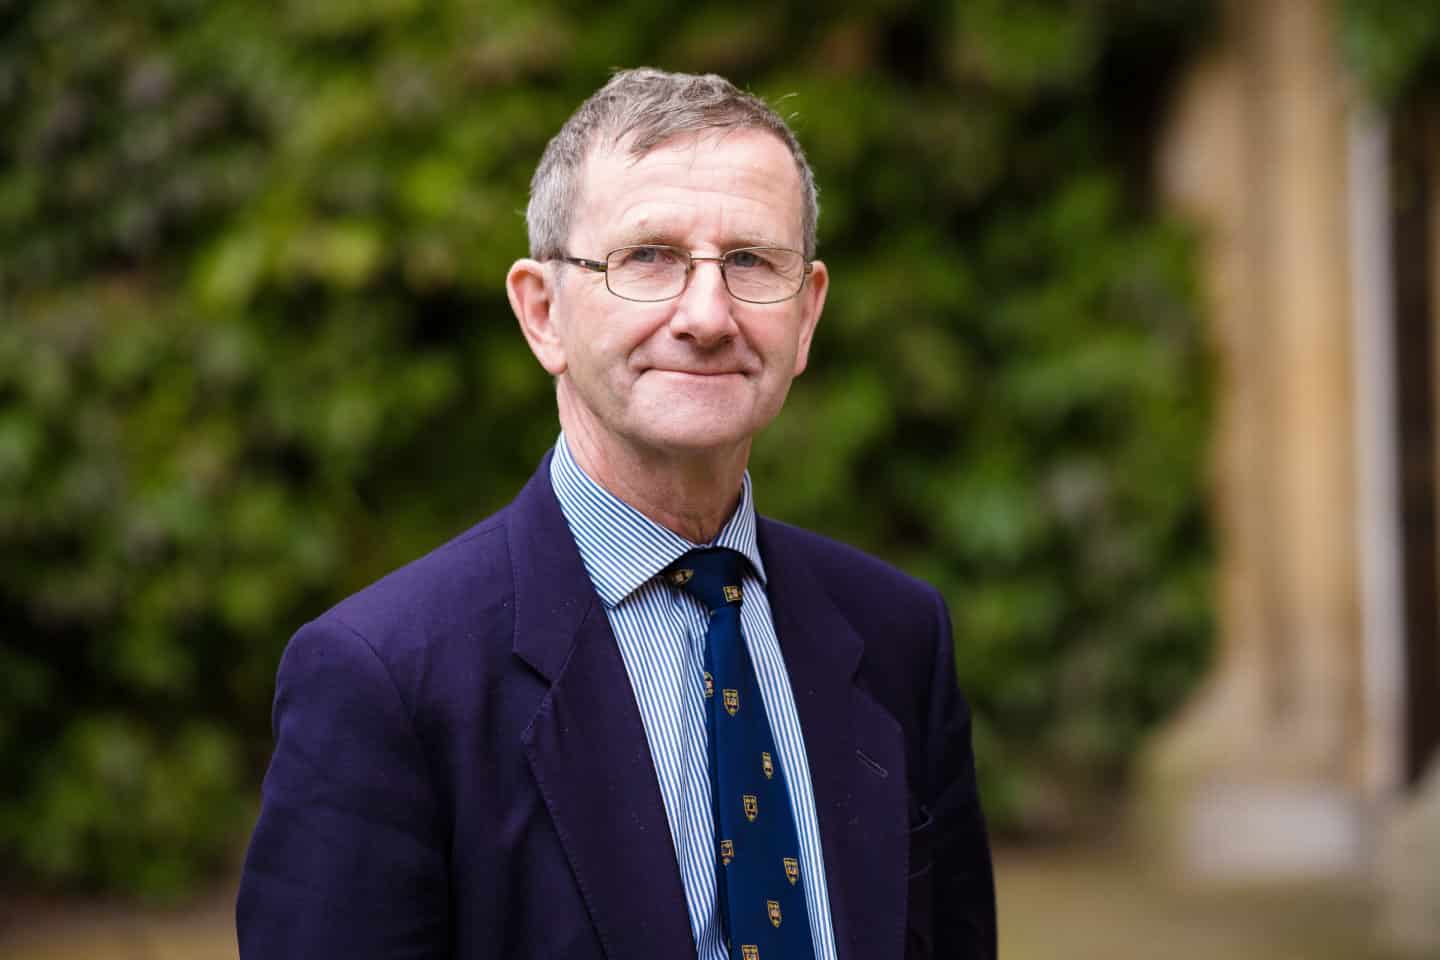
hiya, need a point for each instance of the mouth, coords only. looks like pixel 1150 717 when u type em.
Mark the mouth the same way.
pixel 706 374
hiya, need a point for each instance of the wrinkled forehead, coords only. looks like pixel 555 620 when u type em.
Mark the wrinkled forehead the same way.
pixel 741 181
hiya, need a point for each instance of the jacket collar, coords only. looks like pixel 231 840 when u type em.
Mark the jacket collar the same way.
pixel 587 748
pixel 586 743
pixel 855 747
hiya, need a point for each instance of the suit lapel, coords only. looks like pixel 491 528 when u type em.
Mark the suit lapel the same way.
pixel 856 751
pixel 586 743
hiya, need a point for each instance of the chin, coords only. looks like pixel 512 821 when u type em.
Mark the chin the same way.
pixel 683 420
pixel 695 435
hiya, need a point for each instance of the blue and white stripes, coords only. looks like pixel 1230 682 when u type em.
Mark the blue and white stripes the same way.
pixel 661 634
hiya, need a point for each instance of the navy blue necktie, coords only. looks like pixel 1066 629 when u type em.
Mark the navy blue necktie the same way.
pixel 757 864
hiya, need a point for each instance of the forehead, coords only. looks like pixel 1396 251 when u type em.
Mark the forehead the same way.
pixel 721 188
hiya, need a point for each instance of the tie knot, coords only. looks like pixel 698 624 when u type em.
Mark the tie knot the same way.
pixel 711 575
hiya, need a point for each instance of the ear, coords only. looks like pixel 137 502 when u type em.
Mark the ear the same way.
pixel 811 301
pixel 532 297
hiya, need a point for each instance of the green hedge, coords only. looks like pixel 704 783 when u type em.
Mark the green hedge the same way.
pixel 254 352
pixel 1393 47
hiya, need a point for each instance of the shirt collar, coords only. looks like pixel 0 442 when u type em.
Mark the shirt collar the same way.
pixel 620 546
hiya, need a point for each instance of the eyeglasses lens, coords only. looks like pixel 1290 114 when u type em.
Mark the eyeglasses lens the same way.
pixel 754 274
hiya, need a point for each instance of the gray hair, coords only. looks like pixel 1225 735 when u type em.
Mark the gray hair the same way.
pixel 650 107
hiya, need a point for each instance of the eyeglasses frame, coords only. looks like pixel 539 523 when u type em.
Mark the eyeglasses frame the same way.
pixel 602 266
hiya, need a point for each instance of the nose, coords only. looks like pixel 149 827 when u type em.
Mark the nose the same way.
pixel 703 311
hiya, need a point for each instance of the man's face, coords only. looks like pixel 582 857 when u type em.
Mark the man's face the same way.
pixel 704 371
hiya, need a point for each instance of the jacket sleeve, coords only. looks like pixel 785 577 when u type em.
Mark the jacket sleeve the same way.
pixel 962 879
pixel 346 859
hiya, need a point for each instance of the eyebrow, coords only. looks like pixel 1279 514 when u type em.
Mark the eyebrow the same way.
pixel 660 238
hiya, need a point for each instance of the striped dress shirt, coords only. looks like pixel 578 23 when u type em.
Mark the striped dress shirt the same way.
pixel 661 635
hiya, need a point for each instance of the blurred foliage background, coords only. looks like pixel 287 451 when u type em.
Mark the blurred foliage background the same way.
pixel 255 352
pixel 1393 46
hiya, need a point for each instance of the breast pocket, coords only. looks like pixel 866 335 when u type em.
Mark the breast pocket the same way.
pixel 920 894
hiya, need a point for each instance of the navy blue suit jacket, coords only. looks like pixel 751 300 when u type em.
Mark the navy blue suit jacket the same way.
pixel 460 768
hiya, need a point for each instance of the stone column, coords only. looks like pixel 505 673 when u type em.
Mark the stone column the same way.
pixel 1263 773
pixel 1409 872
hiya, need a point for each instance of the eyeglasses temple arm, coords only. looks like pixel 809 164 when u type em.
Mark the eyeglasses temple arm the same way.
pixel 597 265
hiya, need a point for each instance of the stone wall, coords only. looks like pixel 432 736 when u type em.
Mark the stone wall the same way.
pixel 1289 765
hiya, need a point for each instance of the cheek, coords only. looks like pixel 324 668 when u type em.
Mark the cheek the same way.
pixel 589 332
pixel 606 347
pixel 626 335
pixel 778 340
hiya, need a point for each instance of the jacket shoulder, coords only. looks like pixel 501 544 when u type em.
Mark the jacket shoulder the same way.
pixel 438 610
pixel 847 572
pixel 901 621
pixel 453 576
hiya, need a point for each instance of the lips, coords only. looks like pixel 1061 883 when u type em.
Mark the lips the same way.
pixel 684 372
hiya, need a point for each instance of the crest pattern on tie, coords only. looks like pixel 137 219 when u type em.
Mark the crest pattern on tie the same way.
pixel 751 804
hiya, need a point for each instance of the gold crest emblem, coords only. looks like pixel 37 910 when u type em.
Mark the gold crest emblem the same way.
pixel 792 870
pixel 752 807
pixel 681 577
pixel 748 951
pixel 709 685
pixel 732 594
pixel 773 906
pixel 727 851
pixel 732 701
pixel 767 765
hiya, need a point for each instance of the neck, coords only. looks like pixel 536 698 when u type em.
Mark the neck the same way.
pixel 690 493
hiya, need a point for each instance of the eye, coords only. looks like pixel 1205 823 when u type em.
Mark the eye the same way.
pixel 649 256
pixel 746 259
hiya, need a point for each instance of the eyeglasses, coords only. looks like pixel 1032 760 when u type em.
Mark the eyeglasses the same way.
pixel 648 273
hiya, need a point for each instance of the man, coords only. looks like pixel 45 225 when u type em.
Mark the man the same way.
pixel 570 732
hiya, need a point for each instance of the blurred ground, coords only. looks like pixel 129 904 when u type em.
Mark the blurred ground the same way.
pixel 35 930
pixel 1107 905
pixel 1076 904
